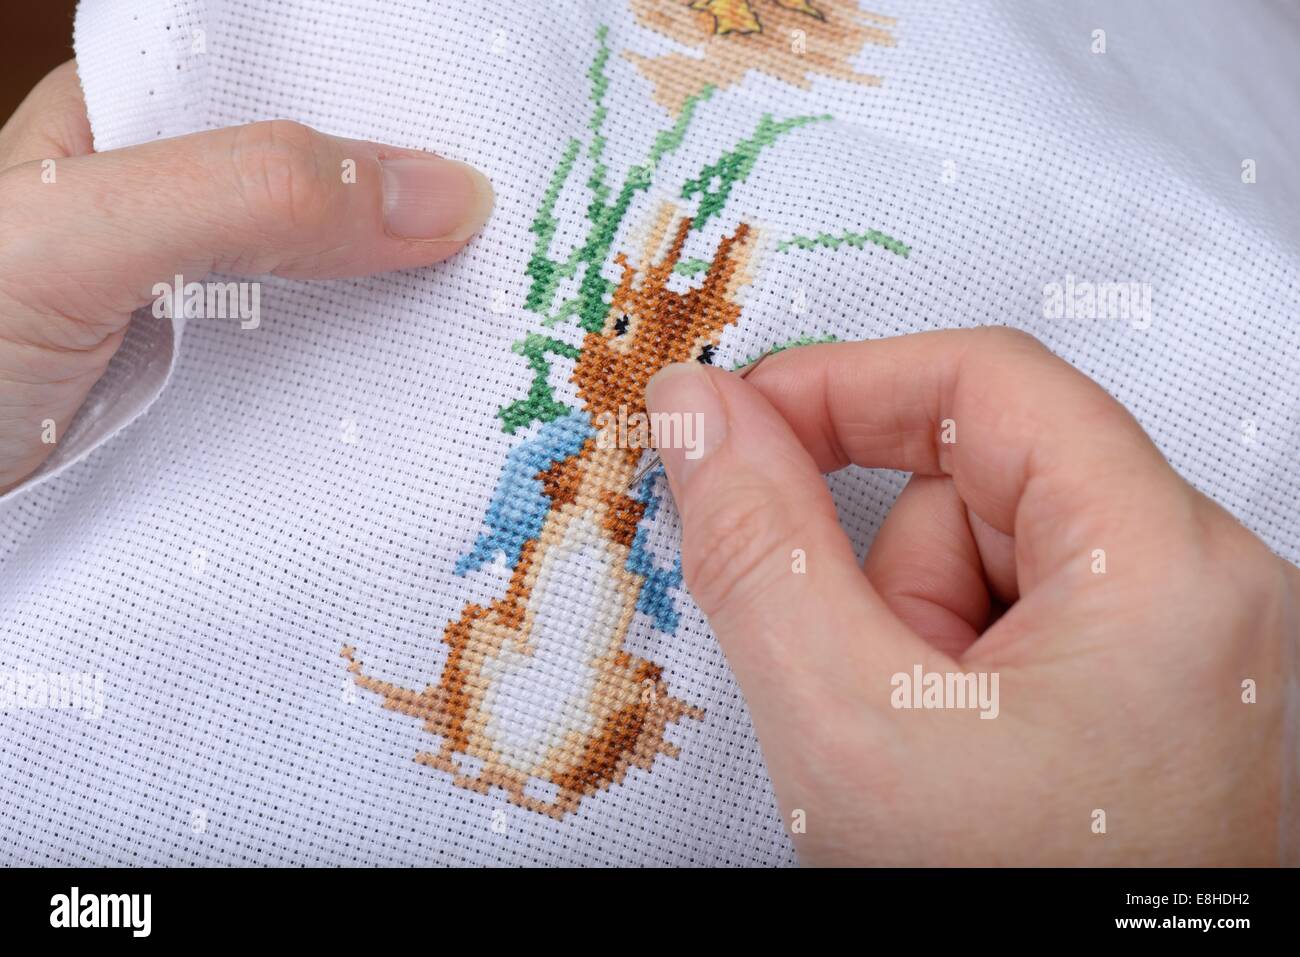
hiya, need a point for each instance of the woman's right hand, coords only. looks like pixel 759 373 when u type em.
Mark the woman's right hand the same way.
pixel 1145 642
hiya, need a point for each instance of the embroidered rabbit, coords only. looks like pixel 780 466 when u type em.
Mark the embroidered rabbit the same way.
pixel 538 685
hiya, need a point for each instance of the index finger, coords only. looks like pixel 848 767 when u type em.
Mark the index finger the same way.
pixel 1035 448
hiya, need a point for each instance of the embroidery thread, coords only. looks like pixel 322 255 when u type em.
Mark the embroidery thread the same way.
pixel 539 686
pixel 789 40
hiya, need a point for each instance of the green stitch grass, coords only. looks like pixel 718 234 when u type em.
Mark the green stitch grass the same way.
pixel 711 189
pixel 545 273
pixel 541 405
pixel 691 267
pixel 596 152
pixel 856 240
pixel 735 166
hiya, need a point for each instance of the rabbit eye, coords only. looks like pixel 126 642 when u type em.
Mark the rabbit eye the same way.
pixel 706 355
pixel 621 324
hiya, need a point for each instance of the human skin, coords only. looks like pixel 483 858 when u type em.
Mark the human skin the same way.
pixel 82 248
pixel 1121 685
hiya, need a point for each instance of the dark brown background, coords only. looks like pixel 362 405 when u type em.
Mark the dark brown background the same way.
pixel 35 37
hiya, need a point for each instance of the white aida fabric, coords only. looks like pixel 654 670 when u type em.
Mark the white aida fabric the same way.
pixel 340 476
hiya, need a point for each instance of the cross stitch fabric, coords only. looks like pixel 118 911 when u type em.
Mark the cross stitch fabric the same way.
pixel 260 537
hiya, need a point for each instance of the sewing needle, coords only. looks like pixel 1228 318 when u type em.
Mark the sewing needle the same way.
pixel 654 460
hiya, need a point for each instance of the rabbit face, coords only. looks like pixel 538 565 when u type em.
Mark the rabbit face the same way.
pixel 650 326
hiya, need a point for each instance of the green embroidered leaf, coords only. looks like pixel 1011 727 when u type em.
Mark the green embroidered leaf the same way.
pixel 594 286
pixel 691 267
pixel 543 271
pixel 590 255
pixel 596 152
pixel 855 240
pixel 541 404
pixel 568 309
pixel 734 167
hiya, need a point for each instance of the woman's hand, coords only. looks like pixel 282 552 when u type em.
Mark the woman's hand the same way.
pixel 1042 537
pixel 84 238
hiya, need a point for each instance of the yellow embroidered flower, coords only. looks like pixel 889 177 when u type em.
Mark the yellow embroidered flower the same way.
pixel 791 40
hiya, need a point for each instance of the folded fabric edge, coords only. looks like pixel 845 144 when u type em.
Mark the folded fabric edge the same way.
pixel 142 68
pixel 136 376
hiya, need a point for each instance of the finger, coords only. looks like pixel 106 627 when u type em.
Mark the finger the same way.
pixel 50 123
pixel 274 197
pixel 997 557
pixel 925 564
pixel 1035 449
pixel 766 559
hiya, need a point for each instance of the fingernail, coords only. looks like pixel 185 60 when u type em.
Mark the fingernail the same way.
pixel 434 198
pixel 688 416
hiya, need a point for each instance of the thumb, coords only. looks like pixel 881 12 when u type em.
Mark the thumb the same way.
pixel 765 557
pixel 93 234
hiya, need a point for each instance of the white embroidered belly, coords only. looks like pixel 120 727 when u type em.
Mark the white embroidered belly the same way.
pixel 535 700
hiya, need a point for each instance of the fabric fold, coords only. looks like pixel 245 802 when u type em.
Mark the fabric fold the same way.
pixel 144 77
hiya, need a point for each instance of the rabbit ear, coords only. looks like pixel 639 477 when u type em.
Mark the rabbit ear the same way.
pixel 659 237
pixel 736 263
pixel 748 255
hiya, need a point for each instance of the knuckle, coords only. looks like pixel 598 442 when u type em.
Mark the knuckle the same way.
pixel 727 547
pixel 43 121
pixel 59 89
pixel 1234 557
pixel 280 174
pixel 1204 547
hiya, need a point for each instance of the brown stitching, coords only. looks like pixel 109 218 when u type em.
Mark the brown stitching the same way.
pixel 560 482
pixel 509 611
pixel 611 381
pixel 629 703
pixel 622 517
pixel 429 704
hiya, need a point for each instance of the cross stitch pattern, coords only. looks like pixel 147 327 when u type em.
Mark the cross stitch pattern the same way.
pixel 311 483
pixel 790 40
pixel 538 686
